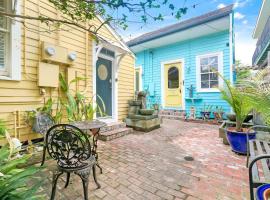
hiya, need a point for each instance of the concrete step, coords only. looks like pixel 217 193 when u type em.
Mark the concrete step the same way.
pixel 116 133
pixel 112 126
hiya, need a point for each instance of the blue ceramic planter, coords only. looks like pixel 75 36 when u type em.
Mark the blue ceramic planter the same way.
pixel 261 191
pixel 238 140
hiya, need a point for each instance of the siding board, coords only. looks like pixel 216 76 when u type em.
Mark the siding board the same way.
pixel 25 95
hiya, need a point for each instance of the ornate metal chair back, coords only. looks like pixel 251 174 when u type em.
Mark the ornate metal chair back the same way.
pixel 68 145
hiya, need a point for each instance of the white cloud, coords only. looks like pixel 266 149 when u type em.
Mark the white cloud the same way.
pixel 240 3
pixel 221 5
pixel 245 22
pixel 238 15
pixel 244 47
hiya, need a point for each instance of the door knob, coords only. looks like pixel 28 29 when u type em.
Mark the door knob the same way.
pixel 180 90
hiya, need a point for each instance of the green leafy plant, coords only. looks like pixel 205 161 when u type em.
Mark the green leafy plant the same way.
pixel 46 108
pixel 257 91
pixel 3 128
pixel 237 98
pixel 77 106
pixel 14 181
pixel 207 108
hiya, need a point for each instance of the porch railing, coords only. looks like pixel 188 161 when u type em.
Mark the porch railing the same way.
pixel 262 42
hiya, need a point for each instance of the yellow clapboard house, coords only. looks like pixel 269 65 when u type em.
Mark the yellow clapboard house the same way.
pixel 32 56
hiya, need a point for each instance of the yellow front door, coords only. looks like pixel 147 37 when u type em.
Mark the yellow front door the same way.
pixel 173 85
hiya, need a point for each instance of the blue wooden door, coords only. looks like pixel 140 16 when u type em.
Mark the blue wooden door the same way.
pixel 104 85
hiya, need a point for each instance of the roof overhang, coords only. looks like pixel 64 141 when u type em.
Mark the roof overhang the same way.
pixel 262 19
pixel 204 29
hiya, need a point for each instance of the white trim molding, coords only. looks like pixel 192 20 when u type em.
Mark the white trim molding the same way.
pixel 198 71
pixel 96 54
pixel 139 68
pixel 14 55
pixel 231 46
pixel 162 64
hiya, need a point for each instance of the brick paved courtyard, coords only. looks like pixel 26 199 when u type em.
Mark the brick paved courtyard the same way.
pixel 151 166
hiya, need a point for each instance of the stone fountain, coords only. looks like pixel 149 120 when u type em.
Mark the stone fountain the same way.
pixel 140 118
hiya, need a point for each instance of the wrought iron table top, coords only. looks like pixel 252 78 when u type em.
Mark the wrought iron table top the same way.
pixel 89 125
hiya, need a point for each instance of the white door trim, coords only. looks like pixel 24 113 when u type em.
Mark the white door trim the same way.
pixel 114 80
pixel 182 61
pixel 139 68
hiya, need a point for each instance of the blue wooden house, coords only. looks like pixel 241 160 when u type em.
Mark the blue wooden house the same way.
pixel 177 64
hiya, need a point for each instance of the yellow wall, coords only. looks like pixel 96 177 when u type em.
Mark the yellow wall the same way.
pixel 25 94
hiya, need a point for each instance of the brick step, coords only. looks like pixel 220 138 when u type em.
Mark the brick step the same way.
pixel 113 126
pixel 113 134
pixel 171 112
pixel 175 117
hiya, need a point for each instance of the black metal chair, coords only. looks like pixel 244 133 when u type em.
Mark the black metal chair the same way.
pixel 71 148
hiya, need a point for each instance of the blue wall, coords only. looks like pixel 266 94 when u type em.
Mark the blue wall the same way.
pixel 150 60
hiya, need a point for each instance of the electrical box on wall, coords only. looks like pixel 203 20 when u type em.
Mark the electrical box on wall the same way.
pixel 48 75
pixel 57 54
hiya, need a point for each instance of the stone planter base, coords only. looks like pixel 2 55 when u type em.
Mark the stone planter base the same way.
pixel 143 125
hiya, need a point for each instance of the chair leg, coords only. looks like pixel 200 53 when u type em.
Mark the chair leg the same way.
pixel 100 168
pixel 67 181
pixel 56 175
pixel 95 177
pixel 44 155
pixel 84 175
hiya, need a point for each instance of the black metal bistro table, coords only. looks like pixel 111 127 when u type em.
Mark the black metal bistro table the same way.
pixel 94 128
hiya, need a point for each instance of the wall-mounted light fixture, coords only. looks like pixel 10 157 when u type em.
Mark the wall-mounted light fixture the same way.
pixel 72 56
pixel 50 51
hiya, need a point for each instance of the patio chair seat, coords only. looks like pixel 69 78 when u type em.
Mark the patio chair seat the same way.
pixel 87 164
pixel 71 148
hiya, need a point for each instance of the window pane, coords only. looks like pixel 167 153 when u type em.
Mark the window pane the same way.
pixel 213 76
pixel 213 60
pixel 204 68
pixel 2 49
pixel 173 78
pixel 214 68
pixel 214 84
pixel 205 84
pixel 205 77
pixel 204 61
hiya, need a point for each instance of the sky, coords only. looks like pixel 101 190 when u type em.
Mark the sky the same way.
pixel 246 13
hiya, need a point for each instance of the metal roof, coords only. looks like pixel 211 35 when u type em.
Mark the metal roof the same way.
pixel 211 16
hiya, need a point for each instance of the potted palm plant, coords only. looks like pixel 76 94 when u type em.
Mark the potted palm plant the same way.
pixel 237 98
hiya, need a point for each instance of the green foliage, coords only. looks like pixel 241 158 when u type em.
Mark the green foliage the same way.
pixel 257 90
pixel 236 97
pixel 78 107
pixel 82 10
pixel 46 108
pixel 3 128
pixel 219 109
pixel 14 181
pixel 242 75
pixel 207 108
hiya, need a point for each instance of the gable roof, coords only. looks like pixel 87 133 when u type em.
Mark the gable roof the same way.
pixel 214 15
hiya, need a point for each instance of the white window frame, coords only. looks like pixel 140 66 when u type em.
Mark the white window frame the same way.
pixel 139 68
pixel 198 71
pixel 13 59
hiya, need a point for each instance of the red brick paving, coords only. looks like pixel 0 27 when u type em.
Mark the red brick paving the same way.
pixel 152 166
